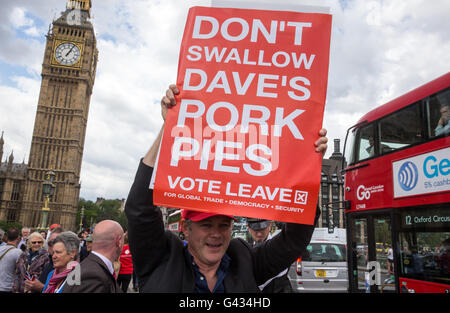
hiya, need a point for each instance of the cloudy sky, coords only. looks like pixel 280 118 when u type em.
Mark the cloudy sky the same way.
pixel 380 49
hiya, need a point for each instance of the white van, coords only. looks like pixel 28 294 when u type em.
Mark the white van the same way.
pixel 323 266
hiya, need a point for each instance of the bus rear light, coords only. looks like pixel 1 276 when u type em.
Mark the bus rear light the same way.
pixel 298 268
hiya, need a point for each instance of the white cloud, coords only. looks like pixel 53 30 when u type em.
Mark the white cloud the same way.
pixel 379 50
pixel 18 18
pixel 32 32
pixel 17 116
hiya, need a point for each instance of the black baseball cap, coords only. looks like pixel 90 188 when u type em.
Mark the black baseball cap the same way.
pixel 257 223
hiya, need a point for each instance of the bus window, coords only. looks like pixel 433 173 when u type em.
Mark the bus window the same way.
pixel 174 224
pixel 401 129
pixel 425 256
pixel 425 245
pixel 350 152
pixel 439 114
pixel 364 143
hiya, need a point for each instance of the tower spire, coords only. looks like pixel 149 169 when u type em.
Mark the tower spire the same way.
pixel 10 162
pixel 11 157
pixel 83 5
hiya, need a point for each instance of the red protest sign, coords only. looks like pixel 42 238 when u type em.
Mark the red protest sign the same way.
pixel 240 140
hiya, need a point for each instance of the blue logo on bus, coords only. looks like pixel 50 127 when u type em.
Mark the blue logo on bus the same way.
pixel 408 176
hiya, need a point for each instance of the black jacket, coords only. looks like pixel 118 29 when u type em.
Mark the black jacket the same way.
pixel 95 278
pixel 279 284
pixel 159 257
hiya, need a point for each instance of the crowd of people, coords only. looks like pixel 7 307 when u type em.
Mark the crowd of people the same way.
pixel 41 261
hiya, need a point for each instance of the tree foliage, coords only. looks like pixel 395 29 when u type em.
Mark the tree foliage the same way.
pixel 8 225
pixel 106 210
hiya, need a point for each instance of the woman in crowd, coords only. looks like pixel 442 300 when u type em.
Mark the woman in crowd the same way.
pixel 31 262
pixel 126 266
pixel 65 259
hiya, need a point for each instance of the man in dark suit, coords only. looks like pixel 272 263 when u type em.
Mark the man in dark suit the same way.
pixel 97 270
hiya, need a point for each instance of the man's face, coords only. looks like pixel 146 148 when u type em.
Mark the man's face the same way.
pixel 25 233
pixel 445 113
pixel 208 240
pixel 261 234
pixel 50 242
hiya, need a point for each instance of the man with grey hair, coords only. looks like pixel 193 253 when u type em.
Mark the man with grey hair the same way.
pixel 443 126
pixel 23 242
pixel 97 271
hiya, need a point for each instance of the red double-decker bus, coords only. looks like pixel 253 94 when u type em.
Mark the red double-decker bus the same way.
pixel 397 194
pixel 174 224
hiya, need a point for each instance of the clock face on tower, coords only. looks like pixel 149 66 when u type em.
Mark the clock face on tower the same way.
pixel 67 53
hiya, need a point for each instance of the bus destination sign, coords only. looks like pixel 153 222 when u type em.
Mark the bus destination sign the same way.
pixel 438 218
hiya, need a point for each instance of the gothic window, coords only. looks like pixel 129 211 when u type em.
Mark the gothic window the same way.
pixel 38 193
pixel 334 178
pixel 12 216
pixel 2 183
pixel 335 192
pixel 36 217
pixel 325 191
pixel 16 191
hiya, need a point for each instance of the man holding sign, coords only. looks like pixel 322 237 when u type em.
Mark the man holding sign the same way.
pixel 211 260
pixel 222 139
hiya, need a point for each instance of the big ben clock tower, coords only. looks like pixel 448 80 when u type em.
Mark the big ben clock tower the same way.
pixel 68 75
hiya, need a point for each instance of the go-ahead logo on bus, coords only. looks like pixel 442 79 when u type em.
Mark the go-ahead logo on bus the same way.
pixel 408 175
pixel 364 193
pixel 422 174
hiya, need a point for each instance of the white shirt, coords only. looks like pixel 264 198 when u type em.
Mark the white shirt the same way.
pixel 105 260
pixel 390 254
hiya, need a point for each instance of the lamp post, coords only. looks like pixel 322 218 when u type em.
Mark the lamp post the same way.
pixel 48 189
pixel 81 219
